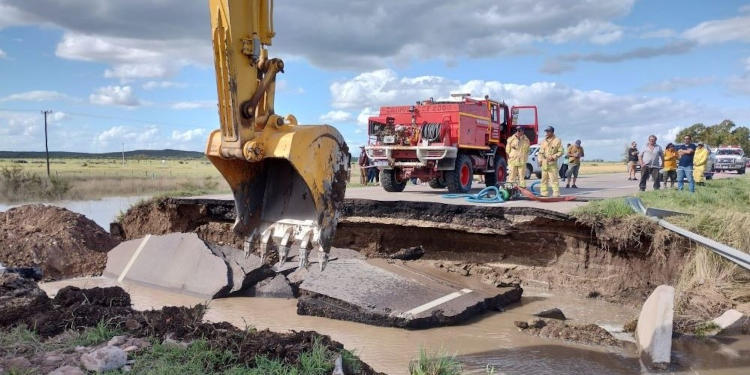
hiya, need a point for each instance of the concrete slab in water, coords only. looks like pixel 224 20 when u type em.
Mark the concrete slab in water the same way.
pixel 183 263
pixel 356 290
pixel 654 330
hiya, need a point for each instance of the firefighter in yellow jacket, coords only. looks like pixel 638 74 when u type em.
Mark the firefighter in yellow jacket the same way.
pixel 550 150
pixel 518 151
pixel 699 164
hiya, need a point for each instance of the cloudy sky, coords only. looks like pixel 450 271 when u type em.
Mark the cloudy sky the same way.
pixel 139 72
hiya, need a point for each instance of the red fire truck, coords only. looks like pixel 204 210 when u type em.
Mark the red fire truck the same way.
pixel 445 142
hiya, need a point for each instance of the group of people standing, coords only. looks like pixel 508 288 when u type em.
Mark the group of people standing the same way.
pixel 368 172
pixel 678 163
pixel 550 150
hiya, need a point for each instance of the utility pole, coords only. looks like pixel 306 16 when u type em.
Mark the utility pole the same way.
pixel 46 147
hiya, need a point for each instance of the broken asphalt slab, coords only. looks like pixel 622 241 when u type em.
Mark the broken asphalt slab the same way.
pixel 183 263
pixel 356 290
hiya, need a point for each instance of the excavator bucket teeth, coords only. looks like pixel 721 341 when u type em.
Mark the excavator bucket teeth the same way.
pixel 288 199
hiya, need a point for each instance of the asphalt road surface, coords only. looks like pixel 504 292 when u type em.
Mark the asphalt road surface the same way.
pixel 596 186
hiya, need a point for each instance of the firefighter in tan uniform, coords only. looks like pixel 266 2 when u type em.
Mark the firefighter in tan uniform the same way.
pixel 550 150
pixel 518 151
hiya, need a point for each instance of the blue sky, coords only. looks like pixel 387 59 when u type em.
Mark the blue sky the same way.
pixel 139 72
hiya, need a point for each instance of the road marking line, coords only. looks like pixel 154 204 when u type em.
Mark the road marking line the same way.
pixel 133 258
pixel 437 302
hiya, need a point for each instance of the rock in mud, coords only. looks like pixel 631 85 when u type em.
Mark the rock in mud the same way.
pixel 244 270
pixel 20 297
pixel 106 358
pixel 589 334
pixel 67 370
pixel 408 253
pixel 275 287
pixel 61 243
pixel 553 313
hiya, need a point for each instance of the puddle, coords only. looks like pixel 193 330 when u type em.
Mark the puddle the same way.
pixel 102 211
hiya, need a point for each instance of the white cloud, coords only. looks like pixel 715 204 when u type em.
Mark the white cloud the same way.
pixel 659 34
pixel 366 113
pixel 677 83
pixel 597 117
pixel 115 95
pixel 150 39
pixel 119 134
pixel 484 28
pixel 35 96
pixel 336 116
pixel 135 58
pixel 3 54
pixel 153 85
pixel 596 32
pixel 719 31
pixel 187 135
pixel 196 104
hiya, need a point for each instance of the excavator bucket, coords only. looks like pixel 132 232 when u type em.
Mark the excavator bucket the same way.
pixel 289 198
pixel 287 180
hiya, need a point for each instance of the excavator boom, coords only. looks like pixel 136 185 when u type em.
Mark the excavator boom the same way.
pixel 288 180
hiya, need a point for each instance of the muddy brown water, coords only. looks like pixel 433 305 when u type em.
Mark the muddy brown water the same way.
pixel 491 339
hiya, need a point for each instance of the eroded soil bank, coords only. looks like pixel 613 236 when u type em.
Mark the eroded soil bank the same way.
pixel 620 261
pixel 23 303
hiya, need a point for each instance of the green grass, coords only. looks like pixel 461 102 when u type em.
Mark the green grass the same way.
pixel 103 332
pixel 166 359
pixel 434 363
pixel 703 329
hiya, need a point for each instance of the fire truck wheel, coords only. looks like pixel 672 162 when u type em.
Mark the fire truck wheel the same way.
pixel 499 174
pixel 460 178
pixel 437 183
pixel 389 181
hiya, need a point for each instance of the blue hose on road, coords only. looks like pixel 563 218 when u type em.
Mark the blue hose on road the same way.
pixel 484 196
pixel 531 188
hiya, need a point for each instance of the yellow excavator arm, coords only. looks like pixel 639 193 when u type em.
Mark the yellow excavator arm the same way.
pixel 288 180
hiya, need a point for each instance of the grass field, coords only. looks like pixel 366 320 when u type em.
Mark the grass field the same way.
pixel 97 178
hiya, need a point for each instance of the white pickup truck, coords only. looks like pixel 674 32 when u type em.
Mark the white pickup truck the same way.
pixel 730 158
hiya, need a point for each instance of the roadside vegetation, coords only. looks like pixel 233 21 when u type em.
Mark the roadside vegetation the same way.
pixel 720 211
pixel 26 180
pixel 197 358
pixel 434 363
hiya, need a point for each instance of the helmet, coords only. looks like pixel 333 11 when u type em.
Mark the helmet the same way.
pixel 549 129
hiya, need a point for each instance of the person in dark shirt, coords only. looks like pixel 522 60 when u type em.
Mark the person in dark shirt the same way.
pixel 685 152
pixel 632 161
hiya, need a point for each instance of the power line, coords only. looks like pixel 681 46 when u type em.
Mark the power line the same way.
pixel 81 114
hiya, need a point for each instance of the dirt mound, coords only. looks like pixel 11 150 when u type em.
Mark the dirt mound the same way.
pixel 77 309
pixel 60 242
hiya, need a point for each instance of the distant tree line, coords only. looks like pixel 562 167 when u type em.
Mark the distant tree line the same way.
pixel 724 133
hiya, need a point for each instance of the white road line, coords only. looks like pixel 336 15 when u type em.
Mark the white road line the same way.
pixel 437 302
pixel 133 258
